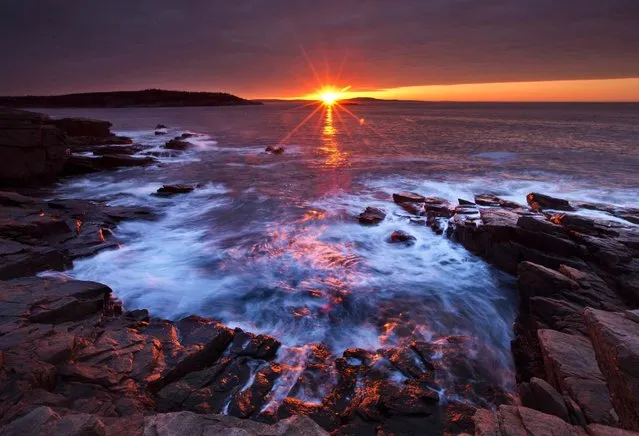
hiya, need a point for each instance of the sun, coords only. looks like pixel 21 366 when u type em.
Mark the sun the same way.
pixel 329 95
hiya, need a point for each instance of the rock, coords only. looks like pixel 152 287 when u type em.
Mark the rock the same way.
pixel 400 237
pixel 408 197
pixel 495 201
pixel 170 424
pixel 83 127
pixel 159 132
pixel 256 346
pixel 544 202
pixel 31 148
pixel 571 366
pixel 274 149
pixel 79 143
pixel 412 208
pixel 160 126
pixel 77 165
pixel 615 339
pixel 177 144
pixel 171 190
pixel 371 215
pixel 522 421
pixel 186 135
pixel 463 202
pixel 117 149
pixel 437 207
pixel 34 423
pixel 548 400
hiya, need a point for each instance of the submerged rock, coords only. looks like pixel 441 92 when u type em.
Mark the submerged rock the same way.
pixel 275 149
pixel 170 190
pixel 372 215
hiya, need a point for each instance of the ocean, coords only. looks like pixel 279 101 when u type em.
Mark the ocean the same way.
pixel 271 243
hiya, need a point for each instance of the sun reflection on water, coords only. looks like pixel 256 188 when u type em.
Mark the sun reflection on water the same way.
pixel 334 156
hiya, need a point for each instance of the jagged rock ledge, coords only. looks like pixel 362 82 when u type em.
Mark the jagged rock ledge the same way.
pixel 577 333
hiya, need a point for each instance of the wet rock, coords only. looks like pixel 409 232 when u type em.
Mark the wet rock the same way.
pixel 171 190
pixel 495 201
pixel 177 144
pixel 543 202
pixel 438 207
pixel 412 208
pixel 257 346
pixel 372 215
pixel 463 202
pixel 408 197
pixel 159 132
pixel 615 339
pixel 274 149
pixel 160 126
pixel 324 417
pixel 186 135
pixel 78 165
pixel 117 149
pixel 571 366
pixel 401 237
pixel 82 142
pixel 196 360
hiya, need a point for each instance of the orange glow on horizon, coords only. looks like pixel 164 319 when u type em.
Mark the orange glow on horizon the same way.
pixel 596 90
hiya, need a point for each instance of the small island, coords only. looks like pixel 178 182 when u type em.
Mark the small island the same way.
pixel 120 99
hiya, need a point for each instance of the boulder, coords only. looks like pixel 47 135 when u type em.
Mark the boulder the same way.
pixel 615 338
pixel 371 215
pixel 401 237
pixel 160 126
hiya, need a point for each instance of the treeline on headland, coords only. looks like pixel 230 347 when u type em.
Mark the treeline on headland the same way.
pixel 145 98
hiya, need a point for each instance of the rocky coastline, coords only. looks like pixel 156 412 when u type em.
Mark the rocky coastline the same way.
pixel 74 361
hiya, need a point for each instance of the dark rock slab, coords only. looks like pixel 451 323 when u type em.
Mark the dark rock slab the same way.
pixel 571 366
pixel 408 197
pixel 615 338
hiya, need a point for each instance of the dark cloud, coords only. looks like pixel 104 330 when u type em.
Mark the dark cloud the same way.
pixel 256 47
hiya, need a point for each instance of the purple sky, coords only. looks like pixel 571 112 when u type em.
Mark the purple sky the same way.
pixel 255 48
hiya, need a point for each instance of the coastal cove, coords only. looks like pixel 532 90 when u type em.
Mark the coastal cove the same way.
pixel 212 269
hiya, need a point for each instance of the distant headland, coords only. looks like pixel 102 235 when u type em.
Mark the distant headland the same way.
pixel 116 99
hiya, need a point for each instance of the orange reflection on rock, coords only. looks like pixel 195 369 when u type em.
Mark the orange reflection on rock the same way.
pixel 335 158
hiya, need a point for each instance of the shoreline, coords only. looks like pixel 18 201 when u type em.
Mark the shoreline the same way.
pixel 90 363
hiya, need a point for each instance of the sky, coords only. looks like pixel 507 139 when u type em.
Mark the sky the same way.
pixel 499 50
